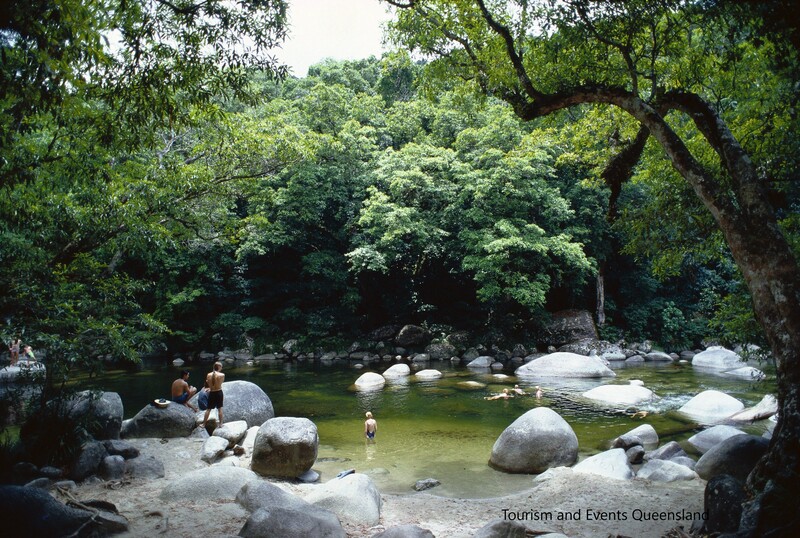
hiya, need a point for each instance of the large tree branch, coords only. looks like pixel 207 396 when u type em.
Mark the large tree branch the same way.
pixel 514 56
pixel 620 168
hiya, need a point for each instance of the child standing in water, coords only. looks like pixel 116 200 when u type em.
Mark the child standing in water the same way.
pixel 370 426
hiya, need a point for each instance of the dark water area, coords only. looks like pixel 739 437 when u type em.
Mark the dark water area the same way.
pixel 442 428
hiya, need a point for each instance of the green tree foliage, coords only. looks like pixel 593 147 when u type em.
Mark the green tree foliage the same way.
pixel 113 157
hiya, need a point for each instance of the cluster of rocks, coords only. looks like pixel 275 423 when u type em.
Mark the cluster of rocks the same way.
pixel 417 344
pixel 541 440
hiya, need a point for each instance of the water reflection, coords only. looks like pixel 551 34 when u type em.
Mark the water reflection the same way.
pixel 443 428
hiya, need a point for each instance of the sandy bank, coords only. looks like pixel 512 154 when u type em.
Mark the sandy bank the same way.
pixel 578 505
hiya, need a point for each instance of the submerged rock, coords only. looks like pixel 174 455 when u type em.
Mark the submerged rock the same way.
pixel 620 394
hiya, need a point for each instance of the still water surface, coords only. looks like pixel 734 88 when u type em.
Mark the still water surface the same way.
pixel 439 428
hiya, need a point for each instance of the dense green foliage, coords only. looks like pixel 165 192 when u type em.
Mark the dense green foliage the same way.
pixel 216 206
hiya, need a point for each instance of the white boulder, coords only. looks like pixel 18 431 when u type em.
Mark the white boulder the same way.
pixel 565 364
pixel 611 463
pixel 397 370
pixel 711 406
pixel 370 381
pixel 620 394
pixel 429 374
pixel 353 497
pixel 718 358
pixel 536 441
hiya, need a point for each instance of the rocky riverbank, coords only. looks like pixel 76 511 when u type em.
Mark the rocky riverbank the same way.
pixel 594 505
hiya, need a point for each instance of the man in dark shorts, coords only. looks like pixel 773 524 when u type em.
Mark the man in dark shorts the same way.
pixel 370 427
pixel 215 399
pixel 182 391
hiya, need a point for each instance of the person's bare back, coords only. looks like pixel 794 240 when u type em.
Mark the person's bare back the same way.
pixel 215 380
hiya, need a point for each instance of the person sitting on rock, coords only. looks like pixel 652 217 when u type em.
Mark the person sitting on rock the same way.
pixel 182 391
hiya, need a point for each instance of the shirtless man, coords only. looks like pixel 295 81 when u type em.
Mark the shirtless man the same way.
pixel 370 427
pixel 182 391
pixel 215 378
pixel 505 395
pixel 13 351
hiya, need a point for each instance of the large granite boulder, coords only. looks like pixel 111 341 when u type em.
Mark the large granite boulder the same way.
pixel 706 439
pixel 735 456
pixel 611 463
pixel 175 420
pixel 569 326
pixel 285 447
pixel 28 511
pixel 261 494
pixel 101 411
pixel 536 441
pixel 412 335
pixel 711 406
pixel 564 364
pixel 353 497
pixel 620 394
pixel 370 381
pixel 244 401
pixel 718 358
pixel 215 483
pixel 288 523
pixel 440 351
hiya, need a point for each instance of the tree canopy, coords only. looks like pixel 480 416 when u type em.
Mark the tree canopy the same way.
pixel 165 185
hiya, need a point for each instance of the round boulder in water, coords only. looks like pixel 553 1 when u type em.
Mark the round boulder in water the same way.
pixel 370 381
pixel 711 406
pixel 717 358
pixel 620 394
pixel 536 441
pixel 564 364
pixel 397 370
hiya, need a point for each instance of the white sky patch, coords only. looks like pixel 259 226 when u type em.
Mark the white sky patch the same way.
pixel 338 29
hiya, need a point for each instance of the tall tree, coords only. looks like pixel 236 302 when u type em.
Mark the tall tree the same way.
pixel 667 64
